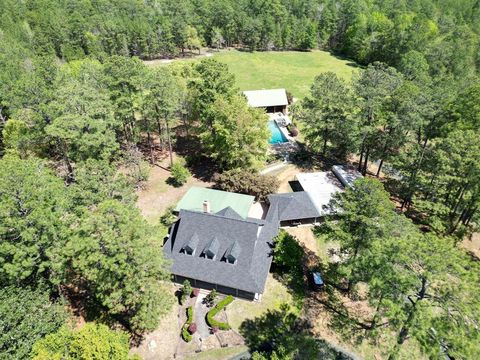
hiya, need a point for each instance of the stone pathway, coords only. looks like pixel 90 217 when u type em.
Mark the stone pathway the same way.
pixel 201 310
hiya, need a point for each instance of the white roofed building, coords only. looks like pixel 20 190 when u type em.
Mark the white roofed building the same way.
pixel 273 100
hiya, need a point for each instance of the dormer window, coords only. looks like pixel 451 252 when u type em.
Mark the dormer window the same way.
pixel 191 246
pixel 212 249
pixel 232 256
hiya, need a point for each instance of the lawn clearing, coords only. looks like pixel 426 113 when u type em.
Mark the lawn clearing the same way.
pixel 219 354
pixel 275 294
pixel 291 70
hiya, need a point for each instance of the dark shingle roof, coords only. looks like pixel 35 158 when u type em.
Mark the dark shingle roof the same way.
pixel 234 252
pixel 193 242
pixel 230 213
pixel 249 272
pixel 294 206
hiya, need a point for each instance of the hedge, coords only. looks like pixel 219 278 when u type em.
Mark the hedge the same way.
pixel 189 315
pixel 185 333
pixel 217 308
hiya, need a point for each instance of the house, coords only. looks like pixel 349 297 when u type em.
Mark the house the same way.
pixel 222 251
pixel 273 100
pixel 216 244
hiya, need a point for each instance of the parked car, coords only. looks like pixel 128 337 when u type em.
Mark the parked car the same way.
pixel 317 281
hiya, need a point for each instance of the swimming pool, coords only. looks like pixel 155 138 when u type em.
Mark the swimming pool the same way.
pixel 277 135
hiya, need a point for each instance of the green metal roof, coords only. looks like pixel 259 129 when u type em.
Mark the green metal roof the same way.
pixel 219 200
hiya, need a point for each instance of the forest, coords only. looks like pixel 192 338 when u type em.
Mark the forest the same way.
pixel 82 118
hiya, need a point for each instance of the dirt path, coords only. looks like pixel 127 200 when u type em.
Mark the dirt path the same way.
pixel 203 53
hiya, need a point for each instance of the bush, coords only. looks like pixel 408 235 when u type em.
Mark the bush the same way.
pixel 246 182
pixel 185 334
pixel 186 291
pixel 168 218
pixel 293 130
pixel 210 298
pixel 189 315
pixel 192 328
pixel 195 292
pixel 91 341
pixel 220 306
pixel 179 173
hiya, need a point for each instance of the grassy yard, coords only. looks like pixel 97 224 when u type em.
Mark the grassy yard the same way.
pixel 219 354
pixel 292 70
pixel 275 295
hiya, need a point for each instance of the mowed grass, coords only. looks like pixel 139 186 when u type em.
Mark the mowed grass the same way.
pixel 274 296
pixel 291 70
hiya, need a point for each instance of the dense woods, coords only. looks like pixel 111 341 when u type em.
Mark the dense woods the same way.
pixel 77 103
pixel 445 33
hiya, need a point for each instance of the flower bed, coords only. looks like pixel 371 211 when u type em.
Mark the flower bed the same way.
pixel 220 306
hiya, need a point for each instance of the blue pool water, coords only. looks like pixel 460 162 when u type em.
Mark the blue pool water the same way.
pixel 277 135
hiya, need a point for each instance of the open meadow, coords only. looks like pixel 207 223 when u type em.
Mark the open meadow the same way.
pixel 292 70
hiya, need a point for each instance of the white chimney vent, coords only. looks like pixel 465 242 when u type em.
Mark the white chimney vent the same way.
pixel 206 206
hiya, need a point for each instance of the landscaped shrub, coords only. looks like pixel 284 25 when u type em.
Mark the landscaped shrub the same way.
pixel 195 292
pixel 246 182
pixel 192 329
pixel 186 333
pixel 186 291
pixel 211 314
pixel 210 298
pixel 189 315
pixel 179 173
pixel 293 130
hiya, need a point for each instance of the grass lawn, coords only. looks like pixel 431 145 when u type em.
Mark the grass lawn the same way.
pixel 220 354
pixel 292 70
pixel 275 294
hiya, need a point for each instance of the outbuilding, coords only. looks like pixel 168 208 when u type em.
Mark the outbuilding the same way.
pixel 273 100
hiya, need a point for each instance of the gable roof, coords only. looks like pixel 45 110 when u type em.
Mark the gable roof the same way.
pixel 294 206
pixel 219 200
pixel 249 273
pixel 265 98
pixel 230 213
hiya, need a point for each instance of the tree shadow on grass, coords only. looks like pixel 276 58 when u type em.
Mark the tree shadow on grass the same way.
pixel 200 166
pixel 288 336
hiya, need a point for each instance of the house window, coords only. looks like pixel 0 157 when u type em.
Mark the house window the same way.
pixel 231 260
pixel 189 251
pixel 209 255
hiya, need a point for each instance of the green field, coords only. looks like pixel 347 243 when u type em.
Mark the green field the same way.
pixel 291 70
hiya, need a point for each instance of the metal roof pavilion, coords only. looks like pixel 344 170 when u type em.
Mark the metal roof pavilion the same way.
pixel 266 98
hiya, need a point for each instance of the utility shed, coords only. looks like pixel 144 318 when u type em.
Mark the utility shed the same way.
pixel 320 187
pixel 217 201
pixel 273 100
pixel 346 174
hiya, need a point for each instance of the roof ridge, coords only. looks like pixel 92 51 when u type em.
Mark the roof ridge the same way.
pixel 219 216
